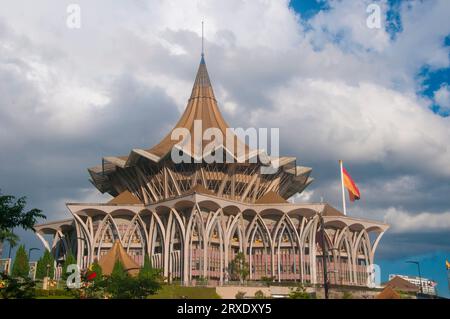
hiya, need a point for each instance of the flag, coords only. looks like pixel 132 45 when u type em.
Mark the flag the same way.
pixel 353 190
pixel 447 264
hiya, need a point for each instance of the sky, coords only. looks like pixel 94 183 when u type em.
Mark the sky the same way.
pixel 378 98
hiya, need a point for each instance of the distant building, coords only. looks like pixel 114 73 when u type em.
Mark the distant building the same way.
pixel 401 285
pixel 428 285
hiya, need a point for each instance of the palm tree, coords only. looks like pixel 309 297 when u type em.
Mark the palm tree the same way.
pixel 10 237
pixel 13 214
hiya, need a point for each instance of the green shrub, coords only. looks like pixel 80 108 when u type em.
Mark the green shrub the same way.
pixel 21 268
pixel 267 280
pixel 259 295
pixel 347 295
pixel 16 288
pixel 121 285
pixel 299 293
pixel 239 268
pixel 95 267
pixel 41 268
pixel 240 295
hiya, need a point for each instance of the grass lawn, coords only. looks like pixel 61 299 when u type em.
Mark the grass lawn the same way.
pixel 177 292
pixel 55 297
pixel 167 292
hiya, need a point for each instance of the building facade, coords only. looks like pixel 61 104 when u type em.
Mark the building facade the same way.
pixel 193 217
pixel 428 285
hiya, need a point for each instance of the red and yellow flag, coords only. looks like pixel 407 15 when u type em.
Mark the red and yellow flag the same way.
pixel 350 184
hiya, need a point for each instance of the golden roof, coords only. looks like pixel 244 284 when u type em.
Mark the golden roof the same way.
pixel 388 293
pixel 125 198
pixel 202 105
pixel 117 252
pixel 271 198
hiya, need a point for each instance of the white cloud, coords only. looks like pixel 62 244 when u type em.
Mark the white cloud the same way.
pixel 304 197
pixel 442 97
pixel 346 23
pixel 364 123
pixel 402 221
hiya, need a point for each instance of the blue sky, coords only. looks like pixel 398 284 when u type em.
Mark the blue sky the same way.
pixel 377 98
pixel 308 8
pixel 432 266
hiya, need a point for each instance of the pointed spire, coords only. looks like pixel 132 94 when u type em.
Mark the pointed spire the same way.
pixel 202 86
pixel 203 49
pixel 202 105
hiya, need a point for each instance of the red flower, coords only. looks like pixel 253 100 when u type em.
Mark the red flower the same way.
pixel 91 276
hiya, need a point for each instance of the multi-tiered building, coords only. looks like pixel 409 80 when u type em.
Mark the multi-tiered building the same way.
pixel 193 217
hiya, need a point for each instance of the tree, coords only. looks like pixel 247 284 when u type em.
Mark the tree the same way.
pixel 148 271
pixel 18 288
pixel 70 259
pixel 41 268
pixel 239 268
pixel 12 213
pixel 21 267
pixel 149 278
pixel 10 237
pixel 118 270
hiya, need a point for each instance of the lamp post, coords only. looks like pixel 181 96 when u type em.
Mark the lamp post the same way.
pixel 30 250
pixel 420 276
pixel 334 271
pixel 324 256
pixel 326 284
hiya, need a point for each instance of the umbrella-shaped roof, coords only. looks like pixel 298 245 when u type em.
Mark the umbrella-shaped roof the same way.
pixel 118 253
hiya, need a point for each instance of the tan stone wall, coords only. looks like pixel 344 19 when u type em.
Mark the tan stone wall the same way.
pixel 229 292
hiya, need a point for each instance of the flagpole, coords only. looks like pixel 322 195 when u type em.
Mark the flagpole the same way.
pixel 341 165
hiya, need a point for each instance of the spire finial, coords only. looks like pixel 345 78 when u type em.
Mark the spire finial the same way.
pixel 203 52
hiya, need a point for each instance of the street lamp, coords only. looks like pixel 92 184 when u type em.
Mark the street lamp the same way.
pixel 30 250
pixel 324 256
pixel 420 276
